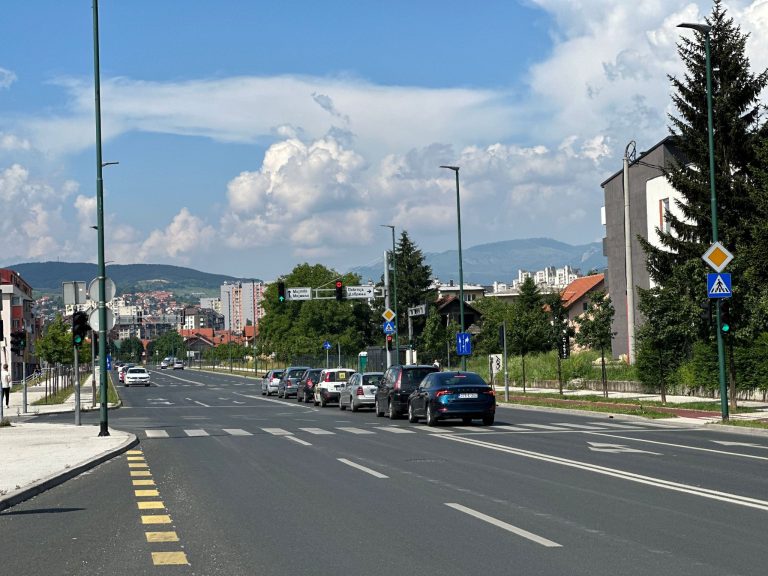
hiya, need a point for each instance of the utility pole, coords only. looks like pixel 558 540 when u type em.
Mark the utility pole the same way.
pixel 386 300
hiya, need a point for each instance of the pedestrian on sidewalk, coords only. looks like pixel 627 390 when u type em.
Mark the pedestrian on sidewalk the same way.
pixel 6 385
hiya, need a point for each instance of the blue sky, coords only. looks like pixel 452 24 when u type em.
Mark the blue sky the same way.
pixel 254 135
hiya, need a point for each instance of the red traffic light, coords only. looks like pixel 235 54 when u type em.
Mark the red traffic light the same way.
pixel 389 337
pixel 339 290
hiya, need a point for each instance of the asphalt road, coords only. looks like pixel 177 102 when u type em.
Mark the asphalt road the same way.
pixel 261 486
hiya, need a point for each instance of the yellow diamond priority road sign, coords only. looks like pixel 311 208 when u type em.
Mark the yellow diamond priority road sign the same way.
pixel 717 257
pixel 388 315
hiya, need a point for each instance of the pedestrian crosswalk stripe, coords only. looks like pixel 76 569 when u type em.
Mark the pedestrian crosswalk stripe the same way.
pixel 354 430
pixel 394 429
pixel 317 431
pixel 196 432
pixel 510 428
pixel 157 434
pixel 577 426
pixel 150 505
pixel 544 427
pixel 614 425
pixel 277 431
pixel 237 432
pixel 169 558
pixel 161 536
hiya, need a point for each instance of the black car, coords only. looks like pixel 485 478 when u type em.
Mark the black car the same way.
pixel 290 381
pixel 396 386
pixel 305 389
pixel 444 395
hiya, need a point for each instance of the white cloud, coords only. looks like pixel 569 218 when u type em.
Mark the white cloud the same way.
pixel 185 234
pixel 11 142
pixel 7 77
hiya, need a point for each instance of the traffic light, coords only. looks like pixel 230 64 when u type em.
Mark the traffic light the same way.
pixel 725 317
pixel 339 290
pixel 79 328
pixel 281 292
pixel 17 342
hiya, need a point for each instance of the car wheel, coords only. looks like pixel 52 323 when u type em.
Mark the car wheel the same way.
pixel 352 406
pixel 391 412
pixel 412 418
pixel 147 384
pixel 466 421
pixel 315 402
pixel 263 393
pixel 341 404
pixel 431 416
pixel 323 402
pixel 488 420
pixel 376 409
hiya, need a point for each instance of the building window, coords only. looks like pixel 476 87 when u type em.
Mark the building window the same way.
pixel 585 306
pixel 664 224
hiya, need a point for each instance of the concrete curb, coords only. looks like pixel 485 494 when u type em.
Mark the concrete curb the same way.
pixel 17 496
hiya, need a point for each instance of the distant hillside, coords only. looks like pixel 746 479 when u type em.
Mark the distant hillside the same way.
pixel 46 277
pixel 500 261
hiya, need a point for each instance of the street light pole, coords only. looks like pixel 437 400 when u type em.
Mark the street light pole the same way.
pixel 394 290
pixel 104 418
pixel 461 264
pixel 705 30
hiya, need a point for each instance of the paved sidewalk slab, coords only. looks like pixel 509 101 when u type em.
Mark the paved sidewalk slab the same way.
pixel 37 456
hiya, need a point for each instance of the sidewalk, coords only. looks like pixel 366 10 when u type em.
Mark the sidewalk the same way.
pixel 37 456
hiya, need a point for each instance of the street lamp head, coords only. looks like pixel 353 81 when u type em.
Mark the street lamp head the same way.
pixel 454 168
pixel 387 226
pixel 703 28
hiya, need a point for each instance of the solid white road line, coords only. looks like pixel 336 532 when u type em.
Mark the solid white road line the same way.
pixel 298 440
pixel 237 432
pixel 196 432
pixel 696 448
pixel 362 468
pixel 504 526
pixel 281 402
pixel 726 497
pixel 156 434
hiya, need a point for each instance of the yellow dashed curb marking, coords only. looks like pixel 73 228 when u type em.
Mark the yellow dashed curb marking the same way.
pixel 136 460
pixel 166 558
pixel 162 537
pixel 140 493
pixel 159 519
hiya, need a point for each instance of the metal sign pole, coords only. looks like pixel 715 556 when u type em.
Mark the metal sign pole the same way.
pixel 77 387
pixel 506 373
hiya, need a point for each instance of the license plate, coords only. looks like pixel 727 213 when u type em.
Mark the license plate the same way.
pixel 468 395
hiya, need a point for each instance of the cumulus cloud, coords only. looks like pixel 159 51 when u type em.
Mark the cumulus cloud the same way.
pixel 7 77
pixel 11 142
pixel 185 234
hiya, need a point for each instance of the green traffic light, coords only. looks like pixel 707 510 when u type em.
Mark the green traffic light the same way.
pixel 725 328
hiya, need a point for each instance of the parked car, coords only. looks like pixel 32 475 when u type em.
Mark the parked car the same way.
pixel 444 395
pixel 166 362
pixel 122 370
pixel 304 390
pixel 360 391
pixel 329 384
pixel 289 383
pixel 178 365
pixel 136 375
pixel 396 386
pixel 270 382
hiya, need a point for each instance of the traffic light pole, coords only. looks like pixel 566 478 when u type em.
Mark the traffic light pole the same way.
pixel 77 387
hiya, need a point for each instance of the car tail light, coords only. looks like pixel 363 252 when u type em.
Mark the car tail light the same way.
pixel 327 377
pixel 359 392
pixel 398 381
pixel 490 392
pixel 442 393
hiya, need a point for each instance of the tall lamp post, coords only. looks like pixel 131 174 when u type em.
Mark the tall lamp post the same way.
pixel 461 265
pixel 104 419
pixel 394 290
pixel 705 30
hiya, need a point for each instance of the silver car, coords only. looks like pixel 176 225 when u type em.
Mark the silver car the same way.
pixel 360 391
pixel 270 382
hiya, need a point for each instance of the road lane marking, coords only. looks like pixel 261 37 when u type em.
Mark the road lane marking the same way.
pixel 696 448
pixel 150 505
pixel 297 440
pixel 134 452
pixel 362 468
pixel 135 458
pixel 510 428
pixel 317 431
pixel 156 519
pixel 618 449
pixel 142 493
pixel 281 402
pixel 201 404
pixel 394 429
pixel 237 432
pixel 505 526
pixel 352 430
pixel 169 558
pixel 141 473
pixel 628 426
pixel 621 474
pixel 196 432
pixel 137 465
pixel 544 427
pixel 156 433
pixel 161 536
pixel 277 431
pixel 577 426
pixel 143 482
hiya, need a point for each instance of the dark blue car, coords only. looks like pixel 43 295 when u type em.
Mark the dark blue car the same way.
pixel 444 395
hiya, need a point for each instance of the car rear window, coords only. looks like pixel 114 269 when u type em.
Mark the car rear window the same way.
pixel 460 380
pixel 277 373
pixel 338 376
pixel 136 371
pixel 296 372
pixel 412 377
pixel 371 378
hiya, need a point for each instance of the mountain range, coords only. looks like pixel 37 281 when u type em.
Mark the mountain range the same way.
pixel 483 264
pixel 499 261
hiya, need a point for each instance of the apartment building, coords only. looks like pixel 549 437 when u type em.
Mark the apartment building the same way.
pixel 241 304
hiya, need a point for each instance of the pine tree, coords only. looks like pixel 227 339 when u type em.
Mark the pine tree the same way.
pixel 414 277
pixel 529 330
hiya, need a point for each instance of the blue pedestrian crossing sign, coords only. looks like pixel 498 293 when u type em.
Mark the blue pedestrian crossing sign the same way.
pixel 388 327
pixel 326 345
pixel 463 344
pixel 719 285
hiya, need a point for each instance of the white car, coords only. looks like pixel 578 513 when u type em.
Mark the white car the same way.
pixel 178 365
pixel 330 382
pixel 136 375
